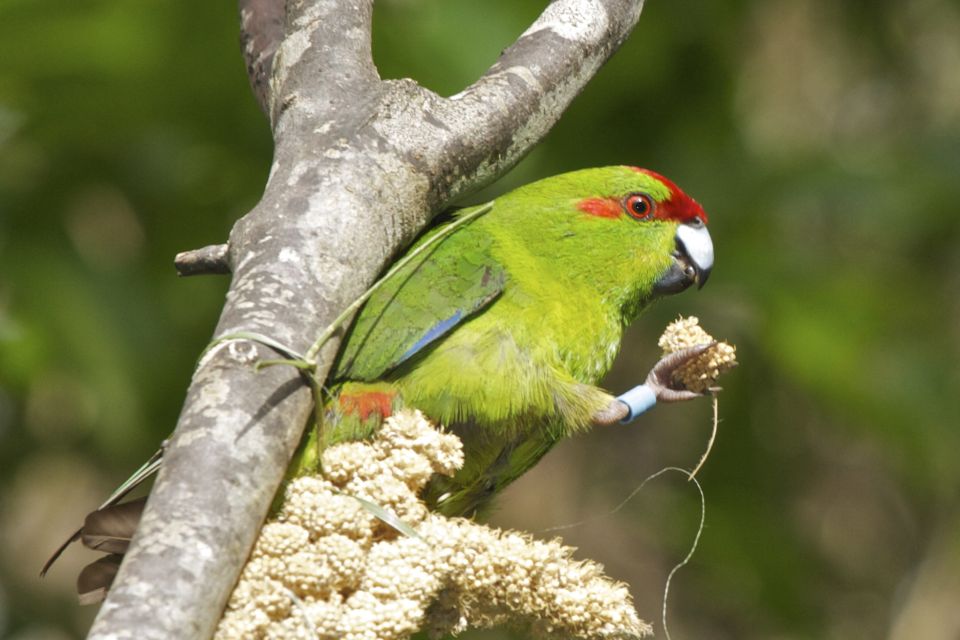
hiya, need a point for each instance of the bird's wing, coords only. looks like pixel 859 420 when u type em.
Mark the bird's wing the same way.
pixel 420 304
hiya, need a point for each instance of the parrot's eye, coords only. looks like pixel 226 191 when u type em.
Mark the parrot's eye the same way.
pixel 639 205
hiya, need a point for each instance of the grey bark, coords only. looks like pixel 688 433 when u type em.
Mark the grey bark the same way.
pixel 213 259
pixel 360 166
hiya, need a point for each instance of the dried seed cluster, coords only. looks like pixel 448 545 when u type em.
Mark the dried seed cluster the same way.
pixel 327 568
pixel 701 373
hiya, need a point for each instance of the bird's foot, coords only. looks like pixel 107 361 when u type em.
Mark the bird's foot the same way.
pixel 659 387
pixel 661 378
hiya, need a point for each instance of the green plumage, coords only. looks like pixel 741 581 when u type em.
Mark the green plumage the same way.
pixel 502 330
pixel 499 330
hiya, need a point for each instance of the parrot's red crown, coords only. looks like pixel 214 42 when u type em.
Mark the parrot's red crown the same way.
pixel 679 206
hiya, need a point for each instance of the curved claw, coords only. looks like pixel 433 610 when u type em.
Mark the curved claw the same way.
pixel 665 394
pixel 660 378
pixel 613 413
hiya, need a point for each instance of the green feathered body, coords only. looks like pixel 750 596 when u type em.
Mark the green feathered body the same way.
pixel 502 330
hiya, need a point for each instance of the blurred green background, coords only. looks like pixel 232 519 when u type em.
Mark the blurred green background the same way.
pixel 823 138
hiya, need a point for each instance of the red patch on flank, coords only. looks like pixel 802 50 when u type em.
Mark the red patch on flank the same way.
pixel 366 404
pixel 601 207
pixel 679 206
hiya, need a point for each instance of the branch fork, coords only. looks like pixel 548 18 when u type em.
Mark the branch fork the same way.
pixel 345 143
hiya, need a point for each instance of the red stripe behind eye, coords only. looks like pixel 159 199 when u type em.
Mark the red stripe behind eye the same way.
pixel 601 207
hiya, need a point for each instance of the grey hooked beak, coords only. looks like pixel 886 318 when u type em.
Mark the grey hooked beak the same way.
pixel 692 260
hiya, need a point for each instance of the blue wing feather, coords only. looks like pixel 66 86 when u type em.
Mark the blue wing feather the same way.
pixel 432 334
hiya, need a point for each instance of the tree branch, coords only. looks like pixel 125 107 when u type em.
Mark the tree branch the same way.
pixel 360 165
pixel 207 260
pixel 261 31
pixel 514 104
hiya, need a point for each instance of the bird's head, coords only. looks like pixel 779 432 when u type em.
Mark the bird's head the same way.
pixel 629 235
pixel 657 198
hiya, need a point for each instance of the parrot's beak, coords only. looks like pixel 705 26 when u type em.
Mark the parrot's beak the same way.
pixel 692 260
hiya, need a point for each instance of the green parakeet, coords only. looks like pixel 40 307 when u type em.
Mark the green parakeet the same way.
pixel 502 330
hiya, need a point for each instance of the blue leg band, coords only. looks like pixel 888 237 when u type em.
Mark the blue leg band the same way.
pixel 638 400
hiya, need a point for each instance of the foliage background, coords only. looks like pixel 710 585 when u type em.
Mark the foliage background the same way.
pixel 824 140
